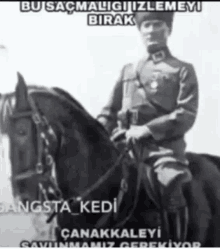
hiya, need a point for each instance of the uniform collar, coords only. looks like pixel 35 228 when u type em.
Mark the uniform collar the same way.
pixel 159 55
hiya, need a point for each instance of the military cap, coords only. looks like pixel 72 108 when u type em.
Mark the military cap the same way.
pixel 167 17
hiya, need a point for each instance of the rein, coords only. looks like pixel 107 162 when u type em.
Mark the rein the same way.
pixel 97 184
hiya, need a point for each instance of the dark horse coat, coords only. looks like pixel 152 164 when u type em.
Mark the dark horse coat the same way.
pixel 85 153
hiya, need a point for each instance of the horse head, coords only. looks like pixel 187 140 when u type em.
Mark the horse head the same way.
pixel 33 144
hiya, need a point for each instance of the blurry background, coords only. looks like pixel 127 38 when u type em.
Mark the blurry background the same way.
pixel 56 49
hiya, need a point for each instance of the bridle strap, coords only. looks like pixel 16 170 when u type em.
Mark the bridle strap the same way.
pixel 23 176
pixel 21 114
pixel 39 122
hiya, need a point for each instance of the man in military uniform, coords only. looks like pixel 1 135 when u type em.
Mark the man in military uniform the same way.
pixel 157 98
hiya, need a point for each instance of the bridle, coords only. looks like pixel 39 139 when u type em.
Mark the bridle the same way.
pixel 45 159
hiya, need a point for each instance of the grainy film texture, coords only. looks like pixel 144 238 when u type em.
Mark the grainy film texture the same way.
pixel 109 124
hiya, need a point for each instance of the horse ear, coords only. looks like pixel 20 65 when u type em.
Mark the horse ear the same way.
pixel 21 94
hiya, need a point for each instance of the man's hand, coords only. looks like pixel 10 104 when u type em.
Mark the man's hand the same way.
pixel 137 133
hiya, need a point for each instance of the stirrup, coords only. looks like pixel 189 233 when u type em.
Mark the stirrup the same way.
pixel 176 224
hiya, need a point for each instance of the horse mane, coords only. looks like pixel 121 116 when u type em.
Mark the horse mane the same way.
pixel 94 125
pixel 69 97
pixel 94 130
pixel 215 159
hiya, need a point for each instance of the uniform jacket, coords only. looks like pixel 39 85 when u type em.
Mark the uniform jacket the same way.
pixel 162 91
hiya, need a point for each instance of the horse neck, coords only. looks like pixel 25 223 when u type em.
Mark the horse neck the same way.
pixel 83 161
pixel 85 153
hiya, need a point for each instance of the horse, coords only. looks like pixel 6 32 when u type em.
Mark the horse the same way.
pixel 56 145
